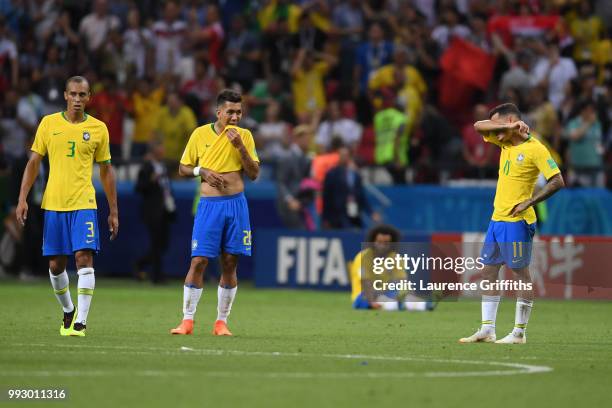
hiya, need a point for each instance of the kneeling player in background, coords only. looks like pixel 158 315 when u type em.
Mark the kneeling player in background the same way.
pixel 380 241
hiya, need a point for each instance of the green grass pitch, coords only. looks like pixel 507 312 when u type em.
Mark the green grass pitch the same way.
pixel 299 349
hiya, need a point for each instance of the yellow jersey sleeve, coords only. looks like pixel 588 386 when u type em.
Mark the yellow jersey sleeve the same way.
pixel 355 274
pixel 249 144
pixel 190 155
pixel 544 162
pixel 41 139
pixel 103 149
pixel 491 137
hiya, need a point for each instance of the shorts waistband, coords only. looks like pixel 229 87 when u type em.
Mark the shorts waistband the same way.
pixel 222 198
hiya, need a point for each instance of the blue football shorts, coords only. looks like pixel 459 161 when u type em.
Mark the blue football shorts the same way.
pixel 221 225
pixel 508 243
pixel 66 232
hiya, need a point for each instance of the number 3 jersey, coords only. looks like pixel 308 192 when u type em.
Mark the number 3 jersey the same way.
pixel 72 149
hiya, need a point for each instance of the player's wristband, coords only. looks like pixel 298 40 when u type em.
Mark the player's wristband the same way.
pixel 196 171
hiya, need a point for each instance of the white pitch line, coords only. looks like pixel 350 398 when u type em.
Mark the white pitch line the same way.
pixel 514 368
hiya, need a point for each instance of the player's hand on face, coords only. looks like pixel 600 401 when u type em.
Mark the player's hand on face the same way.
pixel 113 225
pixel 214 179
pixel 520 207
pixel 523 127
pixel 22 212
pixel 234 138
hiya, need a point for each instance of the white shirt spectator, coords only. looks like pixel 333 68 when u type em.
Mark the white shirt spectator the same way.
pixel 168 39
pixel 347 129
pixel 135 43
pixel 443 34
pixel 559 76
pixel 30 109
pixel 13 142
pixel 95 29
pixel 272 134
pixel 8 50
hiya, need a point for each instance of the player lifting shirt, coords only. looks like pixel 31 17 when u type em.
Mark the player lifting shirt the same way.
pixel 219 153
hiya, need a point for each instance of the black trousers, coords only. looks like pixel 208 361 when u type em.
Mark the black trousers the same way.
pixel 158 244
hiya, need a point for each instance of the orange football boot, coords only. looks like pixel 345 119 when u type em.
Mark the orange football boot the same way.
pixel 186 327
pixel 221 329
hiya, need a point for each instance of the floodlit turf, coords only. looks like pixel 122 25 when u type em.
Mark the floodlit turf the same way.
pixel 299 348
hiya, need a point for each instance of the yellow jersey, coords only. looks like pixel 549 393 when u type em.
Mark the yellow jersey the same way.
pixel 146 109
pixel 365 260
pixel 385 77
pixel 175 129
pixel 309 89
pixel 519 167
pixel 215 152
pixel 72 149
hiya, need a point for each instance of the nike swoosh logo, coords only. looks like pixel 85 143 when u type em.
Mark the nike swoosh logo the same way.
pixel 89 242
pixel 57 133
pixel 207 146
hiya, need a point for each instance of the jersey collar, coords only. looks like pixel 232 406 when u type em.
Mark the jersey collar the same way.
pixel 84 118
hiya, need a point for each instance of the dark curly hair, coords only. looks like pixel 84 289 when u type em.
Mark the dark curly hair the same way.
pixel 385 230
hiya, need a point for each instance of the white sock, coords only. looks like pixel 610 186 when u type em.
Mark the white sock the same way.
pixel 419 306
pixel 413 303
pixel 489 311
pixel 61 287
pixel 87 284
pixel 521 316
pixel 225 298
pixel 191 297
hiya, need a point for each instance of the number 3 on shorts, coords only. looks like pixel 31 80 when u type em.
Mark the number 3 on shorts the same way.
pixel 247 238
pixel 90 228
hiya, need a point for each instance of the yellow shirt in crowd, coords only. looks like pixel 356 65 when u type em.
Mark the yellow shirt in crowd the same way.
pixel 308 88
pixel 175 130
pixel 146 109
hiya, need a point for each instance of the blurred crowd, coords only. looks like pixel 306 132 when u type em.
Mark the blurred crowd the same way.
pixel 391 85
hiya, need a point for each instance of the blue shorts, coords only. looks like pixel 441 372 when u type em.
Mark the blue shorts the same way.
pixel 66 232
pixel 508 243
pixel 221 224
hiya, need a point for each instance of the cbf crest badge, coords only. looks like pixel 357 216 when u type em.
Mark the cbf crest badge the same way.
pixel 86 136
pixel 520 158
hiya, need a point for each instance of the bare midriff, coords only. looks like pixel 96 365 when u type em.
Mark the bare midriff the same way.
pixel 234 184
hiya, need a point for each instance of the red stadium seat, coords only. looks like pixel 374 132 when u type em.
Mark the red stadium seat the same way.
pixel 365 150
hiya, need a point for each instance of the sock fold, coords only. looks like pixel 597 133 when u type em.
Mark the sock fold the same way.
pixel 61 287
pixel 191 297
pixel 225 298
pixel 489 311
pixel 86 286
pixel 521 316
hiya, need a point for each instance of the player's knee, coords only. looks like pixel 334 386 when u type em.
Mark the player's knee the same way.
pixel 57 265
pixel 199 264
pixel 522 273
pixel 229 263
pixel 83 259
